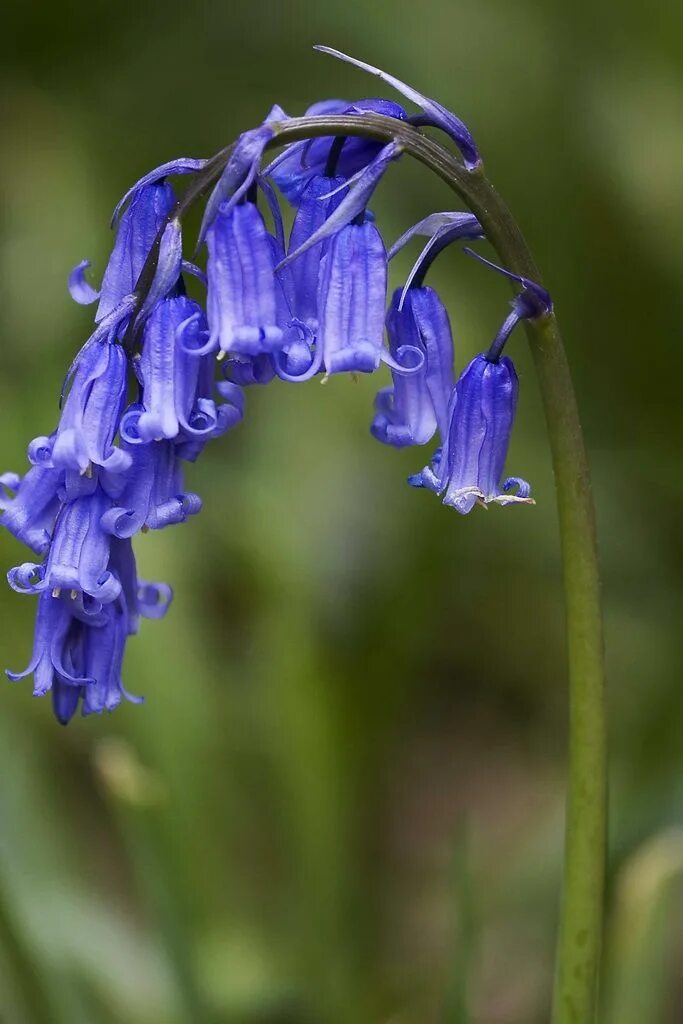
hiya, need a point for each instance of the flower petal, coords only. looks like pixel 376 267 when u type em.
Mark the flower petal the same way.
pixel 80 289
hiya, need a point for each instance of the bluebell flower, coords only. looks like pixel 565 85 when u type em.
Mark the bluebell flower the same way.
pixel 103 663
pixel 168 368
pixel 30 512
pixel 340 237
pixel 468 469
pixel 78 557
pixel 245 300
pixel 136 232
pixel 57 656
pixel 78 650
pixel 417 405
pixel 319 198
pixel 294 168
pixel 358 192
pixel 91 413
pixel 209 418
pixel 177 380
pixel 351 300
pixel 153 496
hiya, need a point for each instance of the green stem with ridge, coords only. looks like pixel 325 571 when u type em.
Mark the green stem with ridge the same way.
pixel 580 935
pixel 581 924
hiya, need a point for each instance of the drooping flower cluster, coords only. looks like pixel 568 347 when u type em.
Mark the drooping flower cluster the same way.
pixel 113 468
pixel 142 398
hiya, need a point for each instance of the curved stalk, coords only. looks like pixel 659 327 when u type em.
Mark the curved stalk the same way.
pixel 580 932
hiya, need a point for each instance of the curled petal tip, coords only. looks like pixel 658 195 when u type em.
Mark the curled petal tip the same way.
pixel 522 495
pixel 398 364
pixel 80 289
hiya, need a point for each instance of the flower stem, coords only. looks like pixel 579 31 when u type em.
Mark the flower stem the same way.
pixel 581 926
pixel 586 826
pixel 580 933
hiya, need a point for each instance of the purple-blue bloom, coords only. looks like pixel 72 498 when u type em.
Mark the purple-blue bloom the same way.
pixel 298 163
pixel 153 496
pixel 29 514
pixel 90 417
pixel 57 648
pixel 140 399
pixel 469 467
pixel 417 405
pixel 319 199
pixel 357 194
pixel 136 231
pixel 78 650
pixel 103 663
pixel 169 367
pixel 245 301
pixel 78 558
pixel 352 294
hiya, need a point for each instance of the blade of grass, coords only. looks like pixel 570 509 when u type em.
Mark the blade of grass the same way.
pixel 30 979
pixel 137 797
pixel 640 964
pixel 457 1009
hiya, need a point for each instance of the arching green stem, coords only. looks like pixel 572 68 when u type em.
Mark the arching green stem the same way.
pixel 580 934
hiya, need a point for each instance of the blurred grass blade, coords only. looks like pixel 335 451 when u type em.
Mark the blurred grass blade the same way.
pixel 138 798
pixel 649 893
pixel 28 976
pixel 465 937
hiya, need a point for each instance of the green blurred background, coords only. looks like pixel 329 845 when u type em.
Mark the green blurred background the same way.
pixel 342 801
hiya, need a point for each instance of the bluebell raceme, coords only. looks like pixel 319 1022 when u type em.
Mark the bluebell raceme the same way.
pixel 162 374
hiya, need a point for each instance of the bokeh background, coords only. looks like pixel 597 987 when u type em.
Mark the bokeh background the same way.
pixel 342 801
